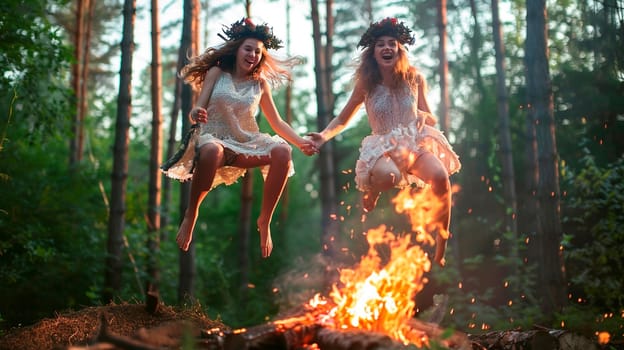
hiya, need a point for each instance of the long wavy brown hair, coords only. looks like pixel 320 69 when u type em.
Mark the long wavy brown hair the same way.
pixel 275 71
pixel 368 72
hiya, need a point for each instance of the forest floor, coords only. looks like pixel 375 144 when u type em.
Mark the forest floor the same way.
pixel 169 327
pixel 82 327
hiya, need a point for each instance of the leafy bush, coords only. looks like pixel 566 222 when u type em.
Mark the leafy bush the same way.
pixel 49 233
pixel 595 224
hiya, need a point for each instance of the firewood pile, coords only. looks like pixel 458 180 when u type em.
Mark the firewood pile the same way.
pixel 299 334
pixel 296 333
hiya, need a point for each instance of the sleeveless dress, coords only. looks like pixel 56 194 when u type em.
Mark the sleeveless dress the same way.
pixel 392 117
pixel 231 105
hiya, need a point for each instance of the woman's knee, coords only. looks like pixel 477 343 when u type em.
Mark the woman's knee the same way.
pixel 385 175
pixel 281 154
pixel 210 151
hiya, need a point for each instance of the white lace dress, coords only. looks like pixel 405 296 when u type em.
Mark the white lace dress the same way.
pixel 392 118
pixel 232 105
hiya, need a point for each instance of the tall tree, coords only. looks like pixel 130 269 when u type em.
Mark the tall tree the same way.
pixel 287 111
pixel 171 137
pixel 116 217
pixel 77 82
pixel 445 119
pixel 502 103
pixel 244 228
pixel 84 93
pixel 155 177
pixel 171 145
pixel 541 111
pixel 80 74
pixel 324 99
pixel 188 47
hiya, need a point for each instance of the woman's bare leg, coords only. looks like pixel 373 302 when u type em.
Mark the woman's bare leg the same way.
pixel 383 176
pixel 210 159
pixel 429 168
pixel 279 162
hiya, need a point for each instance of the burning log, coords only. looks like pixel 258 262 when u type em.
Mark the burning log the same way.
pixel 329 339
pixel 298 332
pixel 274 336
pixel 279 337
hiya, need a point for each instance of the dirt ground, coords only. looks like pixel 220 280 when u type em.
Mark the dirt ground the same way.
pixel 79 328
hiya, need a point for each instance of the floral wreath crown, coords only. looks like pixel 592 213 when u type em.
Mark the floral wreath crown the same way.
pixel 245 28
pixel 388 26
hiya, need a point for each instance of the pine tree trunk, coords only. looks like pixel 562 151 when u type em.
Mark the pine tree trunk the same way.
pixel 529 223
pixel 476 45
pixel 245 222
pixel 326 161
pixel 116 218
pixel 502 103
pixel 155 178
pixel 76 80
pixel 171 140
pixel 288 113
pixel 368 10
pixel 244 234
pixel 84 98
pixel 445 120
pixel 540 99
pixel 188 46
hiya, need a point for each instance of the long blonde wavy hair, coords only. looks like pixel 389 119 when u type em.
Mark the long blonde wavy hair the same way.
pixel 275 71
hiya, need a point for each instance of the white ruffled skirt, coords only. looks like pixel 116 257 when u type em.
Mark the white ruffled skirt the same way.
pixel 408 137
pixel 182 164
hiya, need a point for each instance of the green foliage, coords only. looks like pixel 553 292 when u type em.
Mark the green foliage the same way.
pixel 479 307
pixel 594 219
pixel 43 221
pixel 35 64
pixel 50 218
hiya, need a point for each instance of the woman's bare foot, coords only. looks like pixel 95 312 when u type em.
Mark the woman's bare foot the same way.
pixel 266 244
pixel 369 200
pixel 185 233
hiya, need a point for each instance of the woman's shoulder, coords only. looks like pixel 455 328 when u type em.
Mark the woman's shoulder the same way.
pixel 264 84
pixel 416 75
pixel 361 89
pixel 214 72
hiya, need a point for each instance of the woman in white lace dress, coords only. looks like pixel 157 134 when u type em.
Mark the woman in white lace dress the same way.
pixel 404 148
pixel 234 81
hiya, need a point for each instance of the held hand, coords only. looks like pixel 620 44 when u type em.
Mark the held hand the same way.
pixel 199 115
pixel 316 138
pixel 308 147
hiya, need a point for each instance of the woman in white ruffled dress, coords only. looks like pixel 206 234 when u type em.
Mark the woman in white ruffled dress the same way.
pixel 234 81
pixel 404 148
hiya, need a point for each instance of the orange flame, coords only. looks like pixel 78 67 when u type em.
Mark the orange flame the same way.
pixel 379 293
pixel 381 298
pixel 422 208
